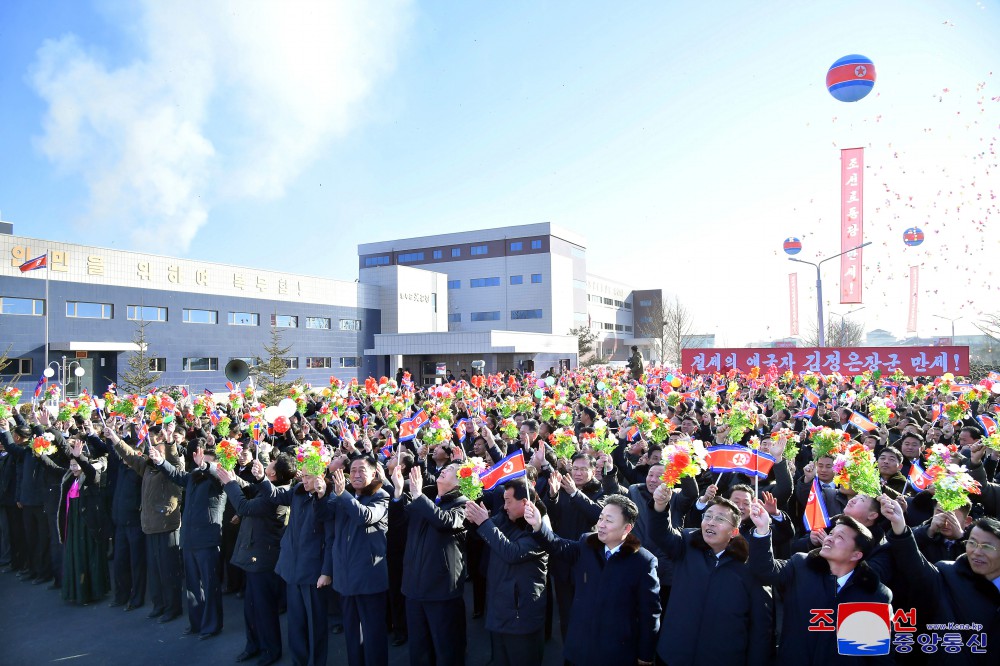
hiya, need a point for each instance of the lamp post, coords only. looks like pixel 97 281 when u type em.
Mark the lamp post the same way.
pixel 952 325
pixel 63 370
pixel 843 320
pixel 819 287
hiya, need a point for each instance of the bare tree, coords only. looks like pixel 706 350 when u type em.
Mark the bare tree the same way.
pixel 667 326
pixel 845 333
pixel 654 328
pixel 990 326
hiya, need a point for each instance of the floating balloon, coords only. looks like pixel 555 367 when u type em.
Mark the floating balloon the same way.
pixel 271 413
pixel 601 386
pixel 851 78
pixel 282 424
pixel 792 245
pixel 549 381
pixel 539 393
pixel 287 407
pixel 913 236
pixel 539 383
pixel 675 382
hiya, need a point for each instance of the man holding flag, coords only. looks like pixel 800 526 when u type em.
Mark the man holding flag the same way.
pixel 515 614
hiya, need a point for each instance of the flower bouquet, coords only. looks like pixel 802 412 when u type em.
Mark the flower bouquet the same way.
pixel 66 411
pixel 826 441
pixel 52 392
pixel 741 418
pixel 469 481
pixel 312 457
pixel 227 452
pixel 438 431
pixel 951 483
pixel 854 467
pixel 791 442
pixel 564 443
pixel 661 430
pixel 811 380
pixel 508 428
pixel 956 410
pixel 673 399
pixel 992 441
pixel 880 410
pixel 681 460
pixel 43 444
pixel 645 421
pixel 222 427
pixel 710 399
pixel 11 396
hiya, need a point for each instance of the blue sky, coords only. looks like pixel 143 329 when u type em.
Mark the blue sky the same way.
pixel 683 140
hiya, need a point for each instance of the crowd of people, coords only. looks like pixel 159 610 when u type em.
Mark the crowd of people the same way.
pixel 374 505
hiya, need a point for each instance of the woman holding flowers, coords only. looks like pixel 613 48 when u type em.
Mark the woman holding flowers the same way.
pixel 83 528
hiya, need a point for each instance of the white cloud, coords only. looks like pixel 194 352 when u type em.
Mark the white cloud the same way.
pixel 228 100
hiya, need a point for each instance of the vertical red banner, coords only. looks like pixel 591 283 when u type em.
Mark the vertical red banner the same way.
pixel 793 303
pixel 911 320
pixel 852 165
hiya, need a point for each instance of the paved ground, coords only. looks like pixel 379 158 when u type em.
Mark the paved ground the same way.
pixel 37 627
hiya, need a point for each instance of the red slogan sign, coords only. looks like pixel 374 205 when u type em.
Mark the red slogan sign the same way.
pixel 912 361
pixel 852 233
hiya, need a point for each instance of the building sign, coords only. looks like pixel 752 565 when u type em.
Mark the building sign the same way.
pixel 912 361
pixel 416 297
pixel 852 234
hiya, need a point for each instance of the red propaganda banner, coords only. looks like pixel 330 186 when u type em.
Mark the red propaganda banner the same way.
pixel 852 164
pixel 793 303
pixel 911 320
pixel 912 361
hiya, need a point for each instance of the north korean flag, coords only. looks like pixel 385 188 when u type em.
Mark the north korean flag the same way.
pixel 815 515
pixel 805 413
pixel 408 427
pixel 508 469
pixel 386 451
pixel 858 419
pixel 918 478
pixel 142 433
pixel 989 424
pixel 35 264
pixel 167 404
pixel 810 396
pixel 936 411
pixel 462 428
pixel 214 416
pixel 633 434
pixel 739 459
pixel 40 386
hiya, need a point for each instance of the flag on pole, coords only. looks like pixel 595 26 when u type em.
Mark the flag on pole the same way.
pixel 937 410
pixel 40 386
pixel 408 427
pixel 142 432
pixel 861 421
pixel 810 396
pixel 807 413
pixel 508 469
pixel 462 428
pixel 739 459
pixel 815 515
pixel 36 263
pixel 988 423
pixel 918 478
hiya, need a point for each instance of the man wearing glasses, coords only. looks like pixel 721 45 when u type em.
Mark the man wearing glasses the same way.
pixel 965 591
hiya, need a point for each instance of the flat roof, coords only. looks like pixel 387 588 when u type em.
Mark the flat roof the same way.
pixel 472 236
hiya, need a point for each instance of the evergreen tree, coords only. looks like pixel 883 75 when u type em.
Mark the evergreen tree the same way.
pixel 140 377
pixel 270 373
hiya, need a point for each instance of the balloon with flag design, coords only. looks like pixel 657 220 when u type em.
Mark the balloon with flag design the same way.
pixel 851 78
pixel 913 236
pixel 792 246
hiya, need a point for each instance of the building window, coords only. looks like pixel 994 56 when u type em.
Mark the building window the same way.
pixel 438 254
pixel 628 306
pixel 628 329
pixel 376 261
pixel 145 313
pixel 291 362
pixel 645 320
pixel 619 327
pixel 251 361
pixel 285 321
pixel 618 304
pixel 456 252
pixel 579 284
pixel 608 301
pixel 17 366
pixel 517 279
pixel 350 362
pixel 525 314
pixel 645 303
pixel 350 324
pixel 485 316
pixel 536 278
pixel 201 364
pixel 318 362
pixel 608 327
pixel 455 318
pixel 244 319
pixel 200 316
pixel 434 301
pixel 484 282
pixel 157 365
pixel 322 323
pixel 454 284
pixel 478 250
pixel 516 246
pixel 536 245
pixel 22 306
pixel 407 257
pixel 83 310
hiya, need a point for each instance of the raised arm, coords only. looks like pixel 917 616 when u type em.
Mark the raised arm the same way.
pixel 664 534
pixel 511 552
pixel 762 563
pixel 564 549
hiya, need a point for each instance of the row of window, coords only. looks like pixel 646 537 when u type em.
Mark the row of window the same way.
pixel 456 317
pixel 603 300
pixel 456 252
pixel 23 366
pixel 150 313
pixel 605 326
pixel 475 283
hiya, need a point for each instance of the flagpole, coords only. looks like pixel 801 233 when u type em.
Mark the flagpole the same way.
pixel 45 361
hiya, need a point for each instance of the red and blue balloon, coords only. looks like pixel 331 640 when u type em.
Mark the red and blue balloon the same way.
pixel 792 246
pixel 851 78
pixel 913 236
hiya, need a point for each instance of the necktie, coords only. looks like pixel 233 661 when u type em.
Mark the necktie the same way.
pixel 607 554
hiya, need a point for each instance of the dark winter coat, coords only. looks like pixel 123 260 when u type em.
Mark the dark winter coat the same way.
pixel 805 583
pixel 950 592
pixel 161 499
pixel 515 577
pixel 711 594
pixel 616 607
pixel 433 564
pixel 204 504
pixel 357 558
pixel 261 525
pixel 92 507
pixel 307 538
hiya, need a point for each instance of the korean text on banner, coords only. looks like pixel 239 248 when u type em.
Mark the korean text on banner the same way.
pixel 852 164
pixel 912 361
pixel 793 302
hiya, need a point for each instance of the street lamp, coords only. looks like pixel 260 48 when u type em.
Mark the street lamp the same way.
pixel 63 371
pixel 843 321
pixel 819 287
pixel 952 325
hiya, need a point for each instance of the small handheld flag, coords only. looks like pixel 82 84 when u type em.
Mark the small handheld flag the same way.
pixel 988 423
pixel 738 459
pixel 508 469
pixel 861 421
pixel 40 386
pixel 805 413
pixel 815 515
pixel 918 478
